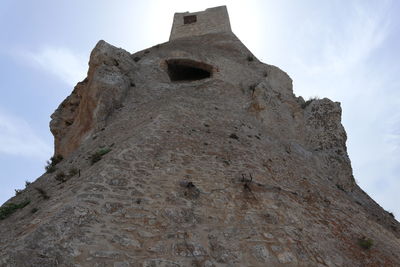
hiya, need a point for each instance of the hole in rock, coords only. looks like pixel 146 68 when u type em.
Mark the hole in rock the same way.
pixel 189 19
pixel 188 70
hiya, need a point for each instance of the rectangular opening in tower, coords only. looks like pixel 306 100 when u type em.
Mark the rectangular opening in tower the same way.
pixel 188 70
pixel 189 19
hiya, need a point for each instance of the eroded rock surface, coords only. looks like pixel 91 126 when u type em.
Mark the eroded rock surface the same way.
pixel 93 100
pixel 230 170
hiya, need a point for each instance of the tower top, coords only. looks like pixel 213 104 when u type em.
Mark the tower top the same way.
pixel 211 20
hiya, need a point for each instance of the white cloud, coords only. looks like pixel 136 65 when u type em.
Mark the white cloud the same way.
pixel 341 47
pixel 17 138
pixel 61 62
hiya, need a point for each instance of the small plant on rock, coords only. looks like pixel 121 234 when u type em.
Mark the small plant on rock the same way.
pixel 18 191
pixel 61 177
pixel 365 243
pixel 42 193
pixel 8 209
pixel 95 157
pixel 250 58
pixel 51 164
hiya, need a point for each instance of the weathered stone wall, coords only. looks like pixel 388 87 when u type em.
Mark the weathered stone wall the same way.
pixel 231 170
pixel 212 20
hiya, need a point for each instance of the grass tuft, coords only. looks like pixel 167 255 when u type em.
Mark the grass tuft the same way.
pixel 365 243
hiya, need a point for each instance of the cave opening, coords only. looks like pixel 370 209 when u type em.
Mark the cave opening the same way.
pixel 187 70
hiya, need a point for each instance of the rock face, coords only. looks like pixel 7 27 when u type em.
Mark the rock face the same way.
pixel 194 153
pixel 93 100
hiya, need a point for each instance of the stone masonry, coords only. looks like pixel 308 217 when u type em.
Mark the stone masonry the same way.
pixel 195 153
pixel 212 20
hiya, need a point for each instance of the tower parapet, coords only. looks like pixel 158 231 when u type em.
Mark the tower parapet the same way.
pixel 211 20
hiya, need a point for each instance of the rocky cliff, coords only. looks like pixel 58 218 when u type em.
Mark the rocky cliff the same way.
pixel 195 153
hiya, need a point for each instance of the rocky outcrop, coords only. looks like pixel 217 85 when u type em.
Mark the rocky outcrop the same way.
pixel 226 169
pixel 93 100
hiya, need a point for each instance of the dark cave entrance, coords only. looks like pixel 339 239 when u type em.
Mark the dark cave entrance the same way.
pixel 188 70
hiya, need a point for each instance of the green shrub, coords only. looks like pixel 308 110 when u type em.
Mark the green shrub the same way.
pixel 27 183
pixel 95 157
pixel 51 164
pixel 250 58
pixel 365 243
pixel 8 209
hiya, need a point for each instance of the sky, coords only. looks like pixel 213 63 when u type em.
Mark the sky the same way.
pixel 344 50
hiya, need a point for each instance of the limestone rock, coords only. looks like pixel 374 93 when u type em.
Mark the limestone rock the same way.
pixel 93 100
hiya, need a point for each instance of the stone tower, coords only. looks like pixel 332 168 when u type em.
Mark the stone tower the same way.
pixel 212 20
pixel 195 153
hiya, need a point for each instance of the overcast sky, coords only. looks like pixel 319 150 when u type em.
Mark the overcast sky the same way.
pixel 347 51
